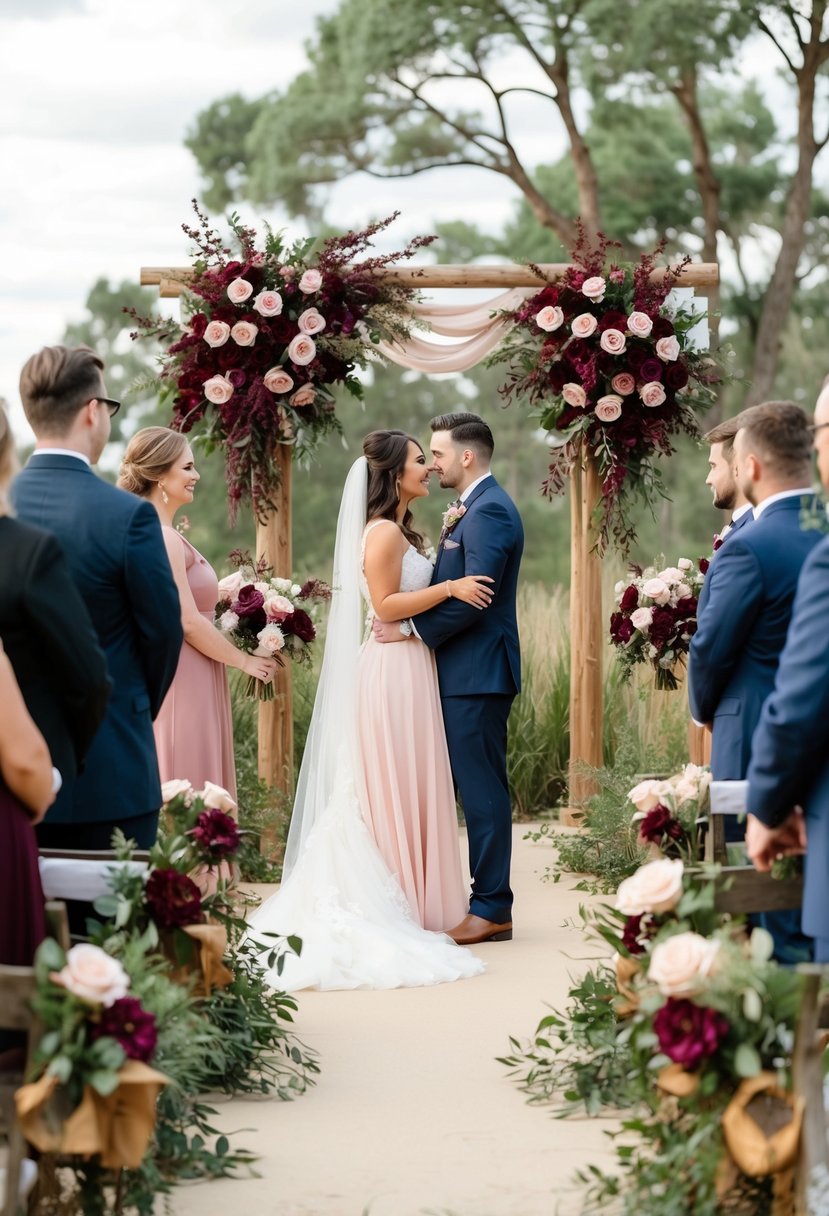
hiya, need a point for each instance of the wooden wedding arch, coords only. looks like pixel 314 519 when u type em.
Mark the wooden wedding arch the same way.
pixel 587 624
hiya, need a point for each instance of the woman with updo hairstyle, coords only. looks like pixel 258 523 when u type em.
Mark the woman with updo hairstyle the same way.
pixel 194 729
pixel 372 877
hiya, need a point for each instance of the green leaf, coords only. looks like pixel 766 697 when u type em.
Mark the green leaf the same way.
pixel 105 1081
pixel 222 1146
pixel 747 1062
pixel 60 1067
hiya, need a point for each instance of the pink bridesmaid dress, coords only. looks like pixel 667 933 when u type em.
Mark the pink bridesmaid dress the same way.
pixel 194 730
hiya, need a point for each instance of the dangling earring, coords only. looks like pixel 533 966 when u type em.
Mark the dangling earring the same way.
pixel 164 496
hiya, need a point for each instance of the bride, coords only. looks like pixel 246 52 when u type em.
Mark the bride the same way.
pixel 372 869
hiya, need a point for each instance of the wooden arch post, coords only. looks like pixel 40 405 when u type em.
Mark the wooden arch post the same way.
pixel 586 616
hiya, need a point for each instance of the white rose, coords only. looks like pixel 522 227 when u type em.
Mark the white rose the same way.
pixel 670 575
pixel 93 975
pixel 594 288
pixel 171 789
pixel 680 965
pixel 216 798
pixel 655 887
pixel 271 638
pixel 682 591
pixel 656 589
pixel 229 585
pixel 295 589
pixel 641 618
pixel 647 794
pixel 619 588
pixel 228 621
pixel 685 563
pixel 311 321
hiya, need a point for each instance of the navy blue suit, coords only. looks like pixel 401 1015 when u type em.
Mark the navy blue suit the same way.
pixel 479 668
pixel 116 554
pixel 790 751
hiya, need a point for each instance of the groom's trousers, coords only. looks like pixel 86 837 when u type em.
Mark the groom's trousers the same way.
pixel 476 732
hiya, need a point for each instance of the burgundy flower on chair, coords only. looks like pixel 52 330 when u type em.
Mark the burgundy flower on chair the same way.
pixel 659 822
pixel 217 833
pixel 689 1033
pixel 174 899
pixel 132 1026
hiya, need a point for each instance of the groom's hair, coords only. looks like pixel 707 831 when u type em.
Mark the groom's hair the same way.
pixel 56 383
pixel 469 430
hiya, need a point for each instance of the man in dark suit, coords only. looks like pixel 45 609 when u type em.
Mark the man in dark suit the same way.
pixel 749 591
pixel 118 561
pixel 789 766
pixel 478 660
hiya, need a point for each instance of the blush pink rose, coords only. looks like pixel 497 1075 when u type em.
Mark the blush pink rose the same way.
pixel 302 350
pixel 92 975
pixel 623 384
pixel 549 318
pixel 641 618
pixel 680 965
pixel 229 585
pixel 216 797
pixel 277 607
pixel 304 396
pixel 574 395
pixel 310 282
pixel 652 394
pixel 657 589
pixel 271 639
pixel 608 408
pixel 655 887
pixel 216 333
pixel 218 389
pixel 277 381
pixel 239 290
pixel 594 288
pixel 584 325
pixel 668 349
pixel 268 304
pixel 639 324
pixel 311 321
pixel 613 341
pixel 244 333
pixel 648 793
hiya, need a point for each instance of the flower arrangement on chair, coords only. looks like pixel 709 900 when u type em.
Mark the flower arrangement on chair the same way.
pixel 607 363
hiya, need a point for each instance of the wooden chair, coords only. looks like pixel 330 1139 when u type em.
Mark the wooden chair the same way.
pixel 742 889
pixel 17 986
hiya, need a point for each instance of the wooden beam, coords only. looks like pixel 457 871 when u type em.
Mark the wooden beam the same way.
pixel 172 280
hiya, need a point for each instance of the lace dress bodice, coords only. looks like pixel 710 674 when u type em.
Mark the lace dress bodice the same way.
pixel 415 573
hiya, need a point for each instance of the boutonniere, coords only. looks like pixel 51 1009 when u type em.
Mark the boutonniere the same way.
pixel 718 541
pixel 453 515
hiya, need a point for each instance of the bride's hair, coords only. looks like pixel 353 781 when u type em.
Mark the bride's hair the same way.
pixel 150 454
pixel 386 453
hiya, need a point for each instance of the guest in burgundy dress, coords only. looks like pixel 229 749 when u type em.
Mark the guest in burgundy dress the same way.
pixel 194 730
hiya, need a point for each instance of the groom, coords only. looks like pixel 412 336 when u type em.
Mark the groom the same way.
pixel 478 660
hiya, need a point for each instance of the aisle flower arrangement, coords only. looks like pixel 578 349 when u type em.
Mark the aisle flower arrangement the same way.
pixel 273 329
pixel 264 615
pixel 606 363
pixel 656 617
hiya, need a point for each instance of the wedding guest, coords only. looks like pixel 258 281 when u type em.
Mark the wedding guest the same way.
pixel 117 557
pixel 194 729
pixel 722 478
pixel 747 600
pixel 48 636
pixel 789 766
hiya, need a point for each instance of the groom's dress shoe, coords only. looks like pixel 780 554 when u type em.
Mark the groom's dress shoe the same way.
pixel 474 929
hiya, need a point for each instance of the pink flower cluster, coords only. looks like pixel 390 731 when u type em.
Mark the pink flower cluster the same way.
pixel 656 617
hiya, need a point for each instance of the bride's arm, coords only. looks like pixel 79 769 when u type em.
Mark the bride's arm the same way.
pixel 383 565
pixel 198 631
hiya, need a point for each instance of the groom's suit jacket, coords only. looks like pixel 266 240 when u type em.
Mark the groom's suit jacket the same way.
pixel 743 615
pixel 116 553
pixel 51 643
pixel 477 650
pixel 790 751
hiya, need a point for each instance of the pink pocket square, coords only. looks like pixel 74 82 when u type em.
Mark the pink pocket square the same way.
pixel 451 544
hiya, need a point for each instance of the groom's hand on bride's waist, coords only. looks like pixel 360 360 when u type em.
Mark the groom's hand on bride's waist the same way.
pixel 389 631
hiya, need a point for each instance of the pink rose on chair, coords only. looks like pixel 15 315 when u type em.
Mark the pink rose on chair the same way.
pixel 277 381
pixel 639 325
pixel 613 341
pixel 652 394
pixel 310 282
pixel 574 395
pixel 268 304
pixel 218 390
pixel 550 318
pixel 668 349
pixel 244 333
pixel 302 350
pixel 594 288
pixel 92 975
pixel 311 321
pixel 623 384
pixel 608 408
pixel 239 290
pixel 216 333
pixel 304 396
pixel 584 325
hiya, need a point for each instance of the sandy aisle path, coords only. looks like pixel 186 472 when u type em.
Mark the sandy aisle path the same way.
pixel 411 1113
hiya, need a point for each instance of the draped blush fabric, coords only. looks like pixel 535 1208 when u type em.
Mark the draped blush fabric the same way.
pixel 480 325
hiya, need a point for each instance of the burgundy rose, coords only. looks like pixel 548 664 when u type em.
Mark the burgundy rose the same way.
pixel 718 542
pixel 300 623
pixel 249 601
pixel 687 606
pixel 236 377
pixel 613 320
pixel 651 370
pixel 660 822
pixel 630 599
pixel 198 324
pixel 635 356
pixel 662 328
pixel 663 624
pixel 217 833
pixel 689 1033
pixel 174 899
pixel 631 935
pixel 621 629
pixel 676 375
pixel 703 565
pixel 131 1026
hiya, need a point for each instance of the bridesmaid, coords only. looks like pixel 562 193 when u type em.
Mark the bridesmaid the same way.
pixel 194 730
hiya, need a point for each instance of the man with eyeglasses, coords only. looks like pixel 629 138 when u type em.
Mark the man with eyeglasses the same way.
pixel 117 557
pixel 788 777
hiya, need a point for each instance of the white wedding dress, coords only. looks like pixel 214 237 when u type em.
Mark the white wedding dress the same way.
pixel 355 922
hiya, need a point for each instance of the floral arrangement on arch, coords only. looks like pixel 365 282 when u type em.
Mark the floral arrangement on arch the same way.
pixel 656 617
pixel 608 366
pixel 271 332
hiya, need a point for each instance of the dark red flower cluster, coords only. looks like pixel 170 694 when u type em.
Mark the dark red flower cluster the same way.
pixel 217 834
pixel 174 899
pixel 660 824
pixel 689 1033
pixel 656 618
pixel 635 934
pixel 126 1021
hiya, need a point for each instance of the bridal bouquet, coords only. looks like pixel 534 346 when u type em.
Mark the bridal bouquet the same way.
pixel 609 366
pixel 656 617
pixel 264 615
pixel 272 330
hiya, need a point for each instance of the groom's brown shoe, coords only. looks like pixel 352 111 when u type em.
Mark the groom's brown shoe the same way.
pixel 474 929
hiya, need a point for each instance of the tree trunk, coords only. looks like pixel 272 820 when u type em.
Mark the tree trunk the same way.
pixel 587 181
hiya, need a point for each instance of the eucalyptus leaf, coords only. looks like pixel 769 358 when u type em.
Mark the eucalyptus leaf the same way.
pixel 747 1062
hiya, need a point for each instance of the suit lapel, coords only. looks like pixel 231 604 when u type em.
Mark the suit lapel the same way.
pixel 483 485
